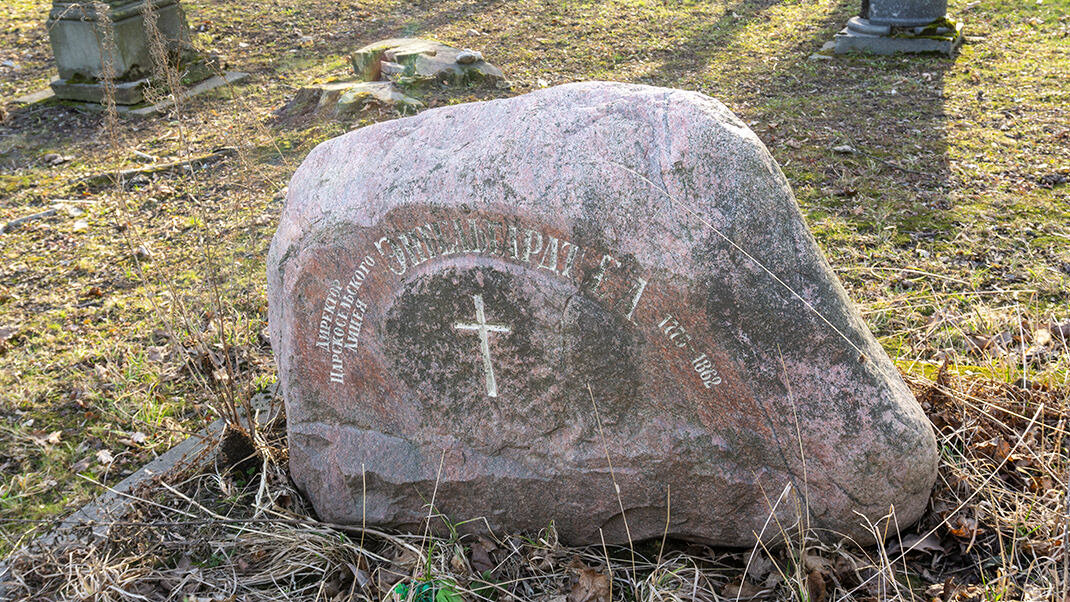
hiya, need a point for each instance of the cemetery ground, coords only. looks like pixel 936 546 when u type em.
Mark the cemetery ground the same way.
pixel 133 312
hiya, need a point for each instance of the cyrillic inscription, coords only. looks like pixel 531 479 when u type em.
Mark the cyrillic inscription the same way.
pixel 620 287
pixel 341 319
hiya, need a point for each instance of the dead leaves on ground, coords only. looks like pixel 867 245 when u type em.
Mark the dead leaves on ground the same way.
pixel 1036 344
pixel 589 584
pixel 820 572
pixel 1002 474
pixel 201 355
pixel 46 440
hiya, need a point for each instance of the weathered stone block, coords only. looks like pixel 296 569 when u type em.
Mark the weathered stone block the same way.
pixel 419 61
pixel 862 35
pixel 514 290
pixel 904 13
pixel 84 42
pixel 346 98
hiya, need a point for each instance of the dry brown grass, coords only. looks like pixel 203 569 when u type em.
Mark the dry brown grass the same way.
pixel 996 529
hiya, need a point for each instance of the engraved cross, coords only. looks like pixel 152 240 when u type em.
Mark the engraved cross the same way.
pixel 484 329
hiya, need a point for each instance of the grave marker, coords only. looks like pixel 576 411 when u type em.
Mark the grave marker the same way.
pixel 94 40
pixel 515 289
pixel 894 26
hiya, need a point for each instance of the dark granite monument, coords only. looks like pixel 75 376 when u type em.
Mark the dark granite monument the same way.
pixel 894 26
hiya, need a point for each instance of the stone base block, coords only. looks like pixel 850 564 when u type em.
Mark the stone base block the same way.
pixel 94 104
pixel 863 36
pixel 126 93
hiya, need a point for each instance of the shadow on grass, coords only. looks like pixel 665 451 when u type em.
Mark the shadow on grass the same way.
pixel 889 110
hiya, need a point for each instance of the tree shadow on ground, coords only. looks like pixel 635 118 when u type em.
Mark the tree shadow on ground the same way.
pixel 886 112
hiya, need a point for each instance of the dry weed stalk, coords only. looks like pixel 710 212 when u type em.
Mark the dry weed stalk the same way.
pixel 213 348
pixel 236 405
pixel 996 530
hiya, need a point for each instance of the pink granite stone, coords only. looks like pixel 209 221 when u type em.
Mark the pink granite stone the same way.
pixel 452 289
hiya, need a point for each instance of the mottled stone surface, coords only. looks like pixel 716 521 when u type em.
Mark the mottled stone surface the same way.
pixel 455 287
pixel 346 98
pixel 410 61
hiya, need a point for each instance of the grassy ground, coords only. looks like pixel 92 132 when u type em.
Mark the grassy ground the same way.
pixel 950 224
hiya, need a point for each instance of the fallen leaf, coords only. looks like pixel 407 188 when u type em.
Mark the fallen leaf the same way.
pixel 916 542
pixel 40 438
pixel 134 439
pixel 591 586
pixel 964 527
pixel 845 149
pixel 457 562
pixel 813 562
pixel 406 559
pixel 104 457
pixel 935 590
pixel 184 563
pixel 1036 353
pixel 978 342
pixel 220 375
pixel 742 590
pixel 1041 337
pixel 1041 484
pixel 1003 451
pixel 1060 330
pixel 481 560
pixel 815 586
pixel 759 567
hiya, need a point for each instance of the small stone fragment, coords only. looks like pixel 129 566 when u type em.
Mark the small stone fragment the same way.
pixel 142 253
pixel 346 98
pixel 388 69
pixel 54 159
pixel 467 57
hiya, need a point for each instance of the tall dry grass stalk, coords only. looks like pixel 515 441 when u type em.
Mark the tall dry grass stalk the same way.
pixel 235 405
pixel 172 305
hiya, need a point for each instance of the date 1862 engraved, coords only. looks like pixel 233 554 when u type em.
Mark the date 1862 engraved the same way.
pixel 678 336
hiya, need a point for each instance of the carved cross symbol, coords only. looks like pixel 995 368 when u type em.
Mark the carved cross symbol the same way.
pixel 483 329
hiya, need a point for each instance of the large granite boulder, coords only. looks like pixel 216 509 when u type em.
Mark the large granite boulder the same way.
pixel 490 287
